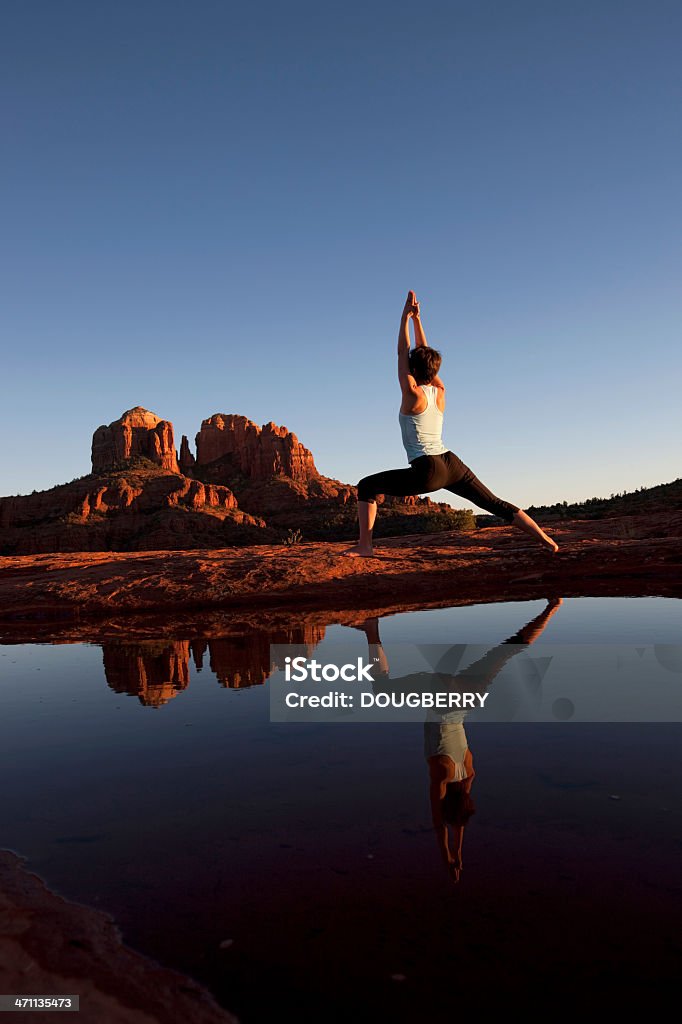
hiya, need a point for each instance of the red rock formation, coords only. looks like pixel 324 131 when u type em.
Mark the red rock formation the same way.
pixel 254 452
pixel 137 432
pixel 135 509
pixel 245 660
pixel 274 475
pixel 153 672
pixel 186 460
pixel 137 491
pixel 247 485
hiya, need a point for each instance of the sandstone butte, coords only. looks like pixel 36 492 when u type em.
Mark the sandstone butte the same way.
pixel 245 485
pixel 137 432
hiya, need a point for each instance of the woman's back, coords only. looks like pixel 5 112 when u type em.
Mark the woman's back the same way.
pixel 422 432
pixel 448 739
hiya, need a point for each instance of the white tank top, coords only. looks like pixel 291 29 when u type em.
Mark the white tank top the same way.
pixel 447 739
pixel 422 434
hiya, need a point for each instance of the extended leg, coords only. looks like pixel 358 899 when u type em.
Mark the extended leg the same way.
pixel 528 525
pixel 471 488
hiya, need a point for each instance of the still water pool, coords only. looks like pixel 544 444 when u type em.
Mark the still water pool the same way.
pixel 292 868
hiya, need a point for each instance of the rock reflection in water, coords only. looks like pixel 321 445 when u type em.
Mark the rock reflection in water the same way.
pixel 153 670
pixel 156 671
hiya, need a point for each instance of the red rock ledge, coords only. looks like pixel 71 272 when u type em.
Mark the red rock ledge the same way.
pixel 51 946
pixel 633 556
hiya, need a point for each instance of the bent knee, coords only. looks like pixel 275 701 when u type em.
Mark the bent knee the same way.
pixel 366 490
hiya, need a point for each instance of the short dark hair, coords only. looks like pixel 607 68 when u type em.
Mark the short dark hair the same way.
pixel 424 364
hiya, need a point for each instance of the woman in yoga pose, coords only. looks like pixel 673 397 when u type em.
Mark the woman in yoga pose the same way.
pixel 432 465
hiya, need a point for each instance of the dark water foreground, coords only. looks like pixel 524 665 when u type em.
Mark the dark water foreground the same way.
pixel 292 868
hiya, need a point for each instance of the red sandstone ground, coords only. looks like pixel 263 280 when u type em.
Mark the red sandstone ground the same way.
pixel 51 946
pixel 57 594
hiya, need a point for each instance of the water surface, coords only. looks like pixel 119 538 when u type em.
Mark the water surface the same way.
pixel 295 865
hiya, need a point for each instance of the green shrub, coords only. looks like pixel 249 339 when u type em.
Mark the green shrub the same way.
pixel 293 537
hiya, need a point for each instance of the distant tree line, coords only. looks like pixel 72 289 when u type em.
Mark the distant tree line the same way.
pixel 624 503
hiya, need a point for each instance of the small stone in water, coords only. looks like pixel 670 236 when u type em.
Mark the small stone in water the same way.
pixel 226 943
pixel 397 977
pixel 613 796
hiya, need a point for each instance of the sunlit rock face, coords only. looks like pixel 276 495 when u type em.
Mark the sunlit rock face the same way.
pixel 252 451
pixel 132 509
pixel 138 432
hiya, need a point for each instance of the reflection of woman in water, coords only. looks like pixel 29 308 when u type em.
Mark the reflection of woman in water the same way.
pixel 446 749
pixel 432 466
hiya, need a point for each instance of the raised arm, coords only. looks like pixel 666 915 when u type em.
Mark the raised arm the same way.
pixel 408 384
pixel 438 776
pixel 421 342
pixel 419 336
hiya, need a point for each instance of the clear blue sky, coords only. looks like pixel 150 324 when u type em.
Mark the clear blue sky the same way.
pixel 219 207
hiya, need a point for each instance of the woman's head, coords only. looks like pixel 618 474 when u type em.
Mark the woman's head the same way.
pixel 457 805
pixel 424 364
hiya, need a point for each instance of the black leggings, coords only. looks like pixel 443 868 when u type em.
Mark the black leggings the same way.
pixel 430 473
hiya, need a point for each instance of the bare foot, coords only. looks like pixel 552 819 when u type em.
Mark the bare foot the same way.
pixel 550 545
pixel 455 869
pixel 360 551
pixel 365 625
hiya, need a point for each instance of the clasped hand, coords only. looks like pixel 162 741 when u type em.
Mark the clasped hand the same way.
pixel 411 308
